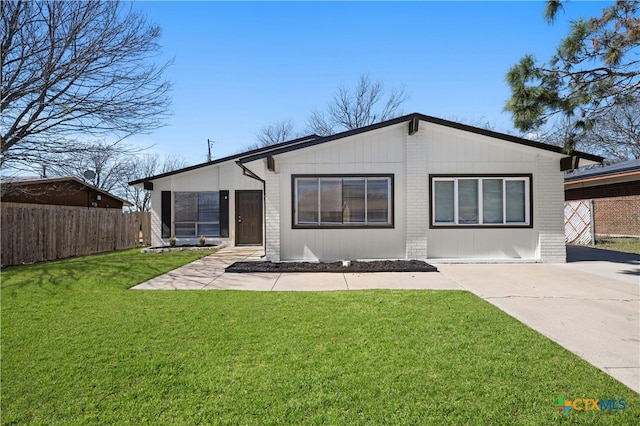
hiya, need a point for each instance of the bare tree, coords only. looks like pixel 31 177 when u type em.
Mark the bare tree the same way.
pixel 615 133
pixel 76 69
pixel 109 164
pixel 271 134
pixel 143 166
pixel 353 108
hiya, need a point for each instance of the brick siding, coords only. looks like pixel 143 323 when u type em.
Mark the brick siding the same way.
pixel 272 217
pixel 617 216
pixel 549 212
pixel 417 220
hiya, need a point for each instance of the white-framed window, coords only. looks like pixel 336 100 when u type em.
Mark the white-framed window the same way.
pixel 197 213
pixel 488 200
pixel 342 201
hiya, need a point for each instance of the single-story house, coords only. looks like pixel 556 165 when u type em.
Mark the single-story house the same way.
pixel 614 195
pixel 59 191
pixel 414 187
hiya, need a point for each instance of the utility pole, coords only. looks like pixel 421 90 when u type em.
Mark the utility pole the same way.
pixel 209 142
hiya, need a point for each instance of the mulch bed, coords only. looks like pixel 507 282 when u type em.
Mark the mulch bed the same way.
pixel 354 266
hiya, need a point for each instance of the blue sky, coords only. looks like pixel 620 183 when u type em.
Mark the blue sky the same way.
pixel 239 66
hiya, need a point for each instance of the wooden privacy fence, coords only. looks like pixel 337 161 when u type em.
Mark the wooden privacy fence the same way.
pixel 34 233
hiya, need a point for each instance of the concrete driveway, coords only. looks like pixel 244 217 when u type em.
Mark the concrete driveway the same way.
pixel 590 305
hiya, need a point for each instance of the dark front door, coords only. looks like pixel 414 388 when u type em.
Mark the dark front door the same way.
pixel 248 217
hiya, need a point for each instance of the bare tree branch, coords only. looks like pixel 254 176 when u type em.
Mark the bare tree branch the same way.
pixel 351 109
pixel 76 69
pixel 274 133
pixel 615 133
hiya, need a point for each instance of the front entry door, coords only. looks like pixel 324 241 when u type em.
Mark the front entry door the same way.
pixel 248 217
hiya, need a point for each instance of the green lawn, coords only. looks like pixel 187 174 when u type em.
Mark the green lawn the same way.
pixel 79 348
pixel 627 245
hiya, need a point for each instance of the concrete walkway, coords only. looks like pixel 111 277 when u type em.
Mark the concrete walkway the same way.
pixel 591 307
pixel 208 274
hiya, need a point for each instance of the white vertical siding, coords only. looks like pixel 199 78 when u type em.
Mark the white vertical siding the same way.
pixel 410 159
pixel 218 177
pixel 455 152
pixel 376 152
pixel 156 222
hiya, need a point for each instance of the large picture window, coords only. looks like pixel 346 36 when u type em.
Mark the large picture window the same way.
pixel 342 201
pixel 197 213
pixel 481 201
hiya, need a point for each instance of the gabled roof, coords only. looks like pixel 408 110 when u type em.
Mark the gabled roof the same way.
pixel 429 119
pixel 21 181
pixel 313 140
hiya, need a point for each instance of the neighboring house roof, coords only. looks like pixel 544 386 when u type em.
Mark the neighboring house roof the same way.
pixel 312 140
pixel 13 182
pixel 616 180
pixel 628 168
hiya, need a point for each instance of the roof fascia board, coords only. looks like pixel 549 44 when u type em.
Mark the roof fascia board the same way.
pixel 602 173
pixel 603 177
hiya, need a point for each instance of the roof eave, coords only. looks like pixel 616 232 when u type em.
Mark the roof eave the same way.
pixel 233 157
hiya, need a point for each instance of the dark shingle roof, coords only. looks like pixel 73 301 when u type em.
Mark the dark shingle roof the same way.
pixel 598 171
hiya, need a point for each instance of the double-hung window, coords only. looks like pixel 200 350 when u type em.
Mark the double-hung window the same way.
pixel 197 213
pixel 500 201
pixel 342 201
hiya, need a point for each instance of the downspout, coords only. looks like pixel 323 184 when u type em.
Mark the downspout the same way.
pixel 252 175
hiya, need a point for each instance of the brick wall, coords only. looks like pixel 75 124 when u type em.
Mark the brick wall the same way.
pixel 272 216
pixel 417 219
pixel 549 211
pixel 617 216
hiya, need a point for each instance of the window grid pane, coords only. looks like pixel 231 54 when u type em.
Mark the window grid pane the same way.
pixel 492 208
pixel 208 206
pixel 353 198
pixel 515 201
pixel 331 201
pixel 377 200
pixel 307 196
pixel 444 201
pixel 186 206
pixel 468 201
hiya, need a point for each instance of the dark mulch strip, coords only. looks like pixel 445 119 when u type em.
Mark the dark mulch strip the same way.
pixel 373 266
